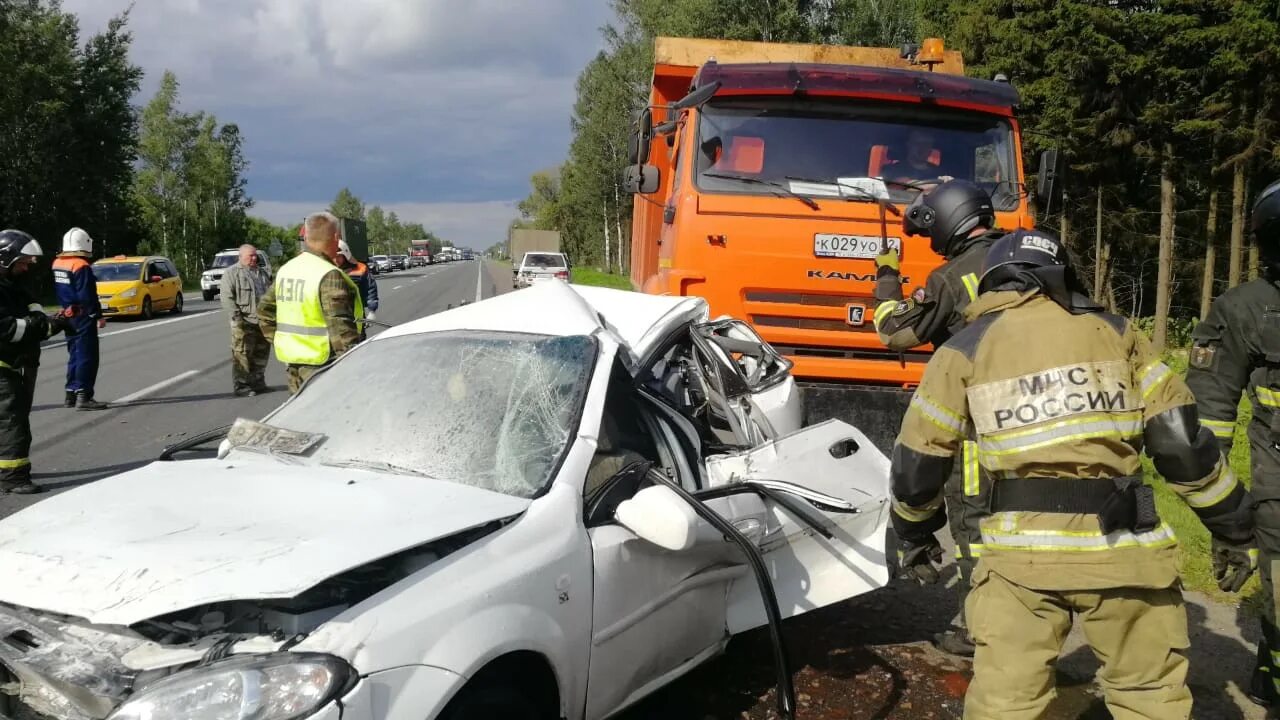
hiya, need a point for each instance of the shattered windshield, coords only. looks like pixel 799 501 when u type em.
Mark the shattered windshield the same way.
pixel 747 145
pixel 490 410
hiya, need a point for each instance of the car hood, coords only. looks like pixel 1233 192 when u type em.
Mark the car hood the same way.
pixel 115 287
pixel 176 535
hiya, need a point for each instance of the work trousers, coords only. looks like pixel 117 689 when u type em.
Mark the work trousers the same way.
pixel 249 353
pixel 965 502
pixel 1139 635
pixel 1265 462
pixel 82 355
pixel 299 374
pixel 15 426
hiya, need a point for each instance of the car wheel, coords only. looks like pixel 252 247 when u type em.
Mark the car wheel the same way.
pixel 485 701
pixel 207 295
pixel 147 314
pixel 177 304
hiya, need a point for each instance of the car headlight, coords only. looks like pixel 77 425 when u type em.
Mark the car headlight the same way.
pixel 285 686
pixel 131 292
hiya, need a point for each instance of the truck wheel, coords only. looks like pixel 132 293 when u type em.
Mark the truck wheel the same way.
pixel 485 701
pixel 207 295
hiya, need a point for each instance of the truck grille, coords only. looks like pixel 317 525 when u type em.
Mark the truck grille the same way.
pixel 822 351
pixel 808 299
pixel 787 310
pixel 811 324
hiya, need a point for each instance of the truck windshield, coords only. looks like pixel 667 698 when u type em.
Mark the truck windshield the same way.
pixel 785 141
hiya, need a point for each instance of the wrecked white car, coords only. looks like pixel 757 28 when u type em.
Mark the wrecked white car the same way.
pixel 545 505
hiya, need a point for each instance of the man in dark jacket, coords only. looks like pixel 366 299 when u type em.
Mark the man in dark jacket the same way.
pixel 1237 351
pixel 957 217
pixel 23 326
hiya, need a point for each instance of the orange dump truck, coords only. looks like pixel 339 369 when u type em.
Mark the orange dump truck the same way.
pixel 769 176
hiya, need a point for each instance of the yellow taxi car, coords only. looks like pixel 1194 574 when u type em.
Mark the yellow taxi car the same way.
pixel 140 285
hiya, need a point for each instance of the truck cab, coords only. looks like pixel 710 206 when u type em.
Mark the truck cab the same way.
pixel 772 175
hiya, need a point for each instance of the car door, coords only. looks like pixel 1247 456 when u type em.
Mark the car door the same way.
pixel 173 281
pixel 656 613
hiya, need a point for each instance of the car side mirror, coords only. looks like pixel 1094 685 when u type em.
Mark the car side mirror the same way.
pixel 641 179
pixel 155 279
pixel 658 515
pixel 1049 183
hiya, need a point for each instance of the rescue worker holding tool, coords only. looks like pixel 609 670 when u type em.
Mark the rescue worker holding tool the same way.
pixel 243 286
pixel 23 326
pixel 312 313
pixel 77 292
pixel 1236 349
pixel 957 217
pixel 1060 398
pixel 359 272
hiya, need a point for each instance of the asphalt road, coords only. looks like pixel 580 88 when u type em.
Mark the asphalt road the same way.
pixel 170 378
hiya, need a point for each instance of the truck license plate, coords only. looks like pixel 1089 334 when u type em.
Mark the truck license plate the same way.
pixel 857 315
pixel 851 246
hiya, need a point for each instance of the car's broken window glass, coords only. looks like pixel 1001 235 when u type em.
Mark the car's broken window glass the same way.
pixel 492 410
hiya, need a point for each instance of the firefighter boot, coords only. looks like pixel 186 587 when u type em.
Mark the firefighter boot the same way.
pixel 70 399
pixel 86 402
pixel 24 487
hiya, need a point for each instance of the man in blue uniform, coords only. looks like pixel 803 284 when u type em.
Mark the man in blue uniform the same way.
pixel 77 291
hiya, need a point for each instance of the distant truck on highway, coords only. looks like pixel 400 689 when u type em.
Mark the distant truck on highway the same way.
pixel 522 240
pixel 420 253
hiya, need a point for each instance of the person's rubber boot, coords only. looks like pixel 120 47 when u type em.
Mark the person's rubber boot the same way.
pixel 85 402
pixel 955 641
pixel 23 488
pixel 70 399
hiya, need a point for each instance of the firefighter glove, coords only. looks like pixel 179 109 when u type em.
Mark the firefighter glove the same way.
pixel 919 561
pixel 1233 564
pixel 39 327
pixel 887 261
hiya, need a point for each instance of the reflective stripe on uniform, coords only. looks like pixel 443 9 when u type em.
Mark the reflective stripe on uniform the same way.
pixel 1222 429
pixel 19 329
pixel 1152 376
pixel 975 551
pixel 1076 541
pixel 939 415
pixel 972 473
pixel 6 464
pixel 1119 425
pixel 883 310
pixel 302 329
pixel 1268 397
pixel 916 514
pixel 971 284
pixel 1214 491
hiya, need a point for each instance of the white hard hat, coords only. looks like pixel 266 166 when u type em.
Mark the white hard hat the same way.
pixel 345 250
pixel 77 240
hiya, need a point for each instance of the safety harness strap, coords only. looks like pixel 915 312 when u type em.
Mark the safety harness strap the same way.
pixel 1085 496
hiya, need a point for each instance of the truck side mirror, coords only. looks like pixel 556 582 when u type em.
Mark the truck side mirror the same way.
pixel 1049 182
pixel 642 179
pixel 641 137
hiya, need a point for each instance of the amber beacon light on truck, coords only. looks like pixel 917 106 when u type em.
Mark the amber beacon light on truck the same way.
pixel 769 176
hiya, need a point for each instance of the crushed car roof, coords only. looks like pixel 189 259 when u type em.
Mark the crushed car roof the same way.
pixel 558 308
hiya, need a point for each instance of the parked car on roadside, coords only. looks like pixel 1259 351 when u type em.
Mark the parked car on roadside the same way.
pixel 211 279
pixel 380 263
pixel 536 267
pixel 514 509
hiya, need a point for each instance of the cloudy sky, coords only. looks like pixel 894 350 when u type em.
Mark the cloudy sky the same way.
pixel 437 109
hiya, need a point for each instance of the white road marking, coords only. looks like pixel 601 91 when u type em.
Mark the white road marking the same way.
pixel 479 278
pixel 145 326
pixel 397 287
pixel 163 385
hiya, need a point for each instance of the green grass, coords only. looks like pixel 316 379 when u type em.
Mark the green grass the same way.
pixel 590 276
pixel 1193 539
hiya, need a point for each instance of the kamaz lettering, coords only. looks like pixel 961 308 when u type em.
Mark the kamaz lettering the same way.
pixel 837 275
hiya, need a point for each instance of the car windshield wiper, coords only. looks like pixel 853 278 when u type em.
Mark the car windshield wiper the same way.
pixel 768 183
pixel 379 466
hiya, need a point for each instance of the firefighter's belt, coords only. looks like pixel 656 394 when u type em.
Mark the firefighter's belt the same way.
pixel 1121 503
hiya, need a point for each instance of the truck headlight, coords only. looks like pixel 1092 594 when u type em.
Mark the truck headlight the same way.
pixel 285 686
pixel 131 292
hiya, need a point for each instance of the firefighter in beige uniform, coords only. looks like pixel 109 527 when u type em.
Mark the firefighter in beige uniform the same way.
pixel 1061 398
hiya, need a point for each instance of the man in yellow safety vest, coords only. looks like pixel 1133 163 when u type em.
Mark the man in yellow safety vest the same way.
pixel 312 311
